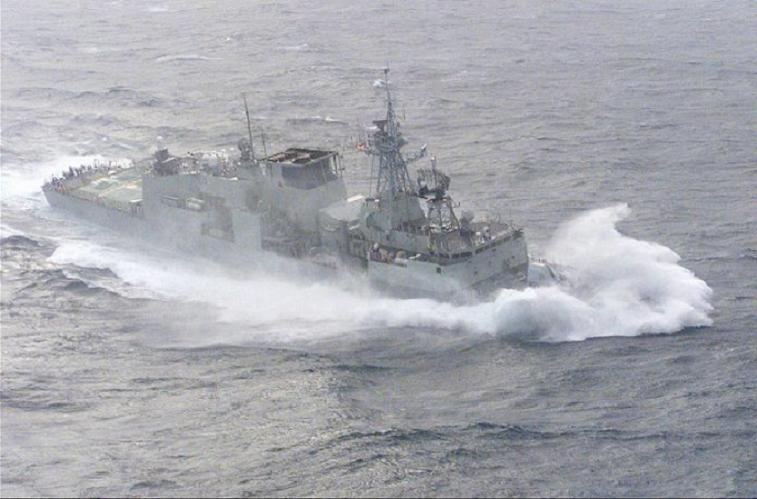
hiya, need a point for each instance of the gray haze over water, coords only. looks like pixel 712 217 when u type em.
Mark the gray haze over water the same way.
pixel 620 135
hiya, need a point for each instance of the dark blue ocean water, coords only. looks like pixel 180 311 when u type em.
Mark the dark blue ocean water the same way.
pixel 621 136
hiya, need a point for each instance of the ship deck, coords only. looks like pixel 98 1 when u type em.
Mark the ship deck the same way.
pixel 117 190
pixel 457 245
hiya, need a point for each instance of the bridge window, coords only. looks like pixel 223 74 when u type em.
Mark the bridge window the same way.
pixel 309 176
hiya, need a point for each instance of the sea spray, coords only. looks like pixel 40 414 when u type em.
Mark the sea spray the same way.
pixel 615 286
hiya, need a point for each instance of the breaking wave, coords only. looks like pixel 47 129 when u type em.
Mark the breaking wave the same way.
pixel 183 57
pixel 616 286
pixel 317 119
pixel 297 48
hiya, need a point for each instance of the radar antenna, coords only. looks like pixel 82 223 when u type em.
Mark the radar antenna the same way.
pixel 432 181
pixel 385 144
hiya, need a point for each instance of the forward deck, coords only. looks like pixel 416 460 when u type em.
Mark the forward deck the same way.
pixel 120 189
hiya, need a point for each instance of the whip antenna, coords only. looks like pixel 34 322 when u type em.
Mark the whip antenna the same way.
pixel 249 126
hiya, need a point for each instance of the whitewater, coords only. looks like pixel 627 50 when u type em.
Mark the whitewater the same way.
pixel 615 286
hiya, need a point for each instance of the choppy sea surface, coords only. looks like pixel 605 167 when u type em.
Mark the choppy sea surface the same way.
pixel 621 135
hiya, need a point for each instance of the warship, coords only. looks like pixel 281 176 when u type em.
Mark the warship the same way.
pixel 405 234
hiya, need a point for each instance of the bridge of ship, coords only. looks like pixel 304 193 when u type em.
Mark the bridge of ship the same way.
pixel 303 168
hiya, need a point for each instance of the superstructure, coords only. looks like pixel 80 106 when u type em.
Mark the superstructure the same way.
pixel 404 234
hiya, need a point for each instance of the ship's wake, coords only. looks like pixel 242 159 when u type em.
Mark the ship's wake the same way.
pixel 615 286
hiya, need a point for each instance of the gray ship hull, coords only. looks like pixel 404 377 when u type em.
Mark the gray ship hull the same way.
pixel 421 281
pixel 192 243
pixel 102 215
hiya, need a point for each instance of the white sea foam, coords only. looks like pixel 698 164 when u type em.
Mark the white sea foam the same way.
pixel 617 286
pixel 297 48
pixel 7 231
pixel 183 57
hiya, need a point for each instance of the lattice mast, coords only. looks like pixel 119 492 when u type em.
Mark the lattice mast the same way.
pixel 385 146
pixel 433 185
